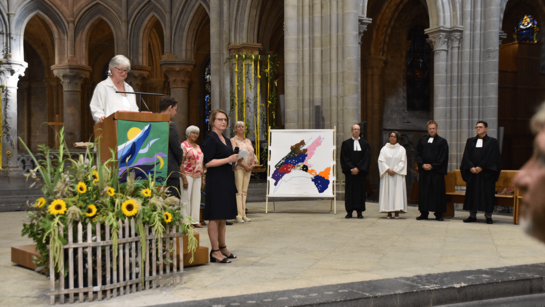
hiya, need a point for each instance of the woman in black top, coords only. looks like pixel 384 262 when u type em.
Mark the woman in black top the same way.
pixel 220 188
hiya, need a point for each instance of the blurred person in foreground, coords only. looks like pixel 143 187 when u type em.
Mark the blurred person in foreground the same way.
pixel 168 105
pixel 531 182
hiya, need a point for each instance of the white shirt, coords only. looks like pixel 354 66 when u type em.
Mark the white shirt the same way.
pixel 106 101
pixel 357 146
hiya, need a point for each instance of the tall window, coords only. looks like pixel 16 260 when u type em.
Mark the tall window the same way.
pixel 418 71
pixel 207 99
pixel 526 30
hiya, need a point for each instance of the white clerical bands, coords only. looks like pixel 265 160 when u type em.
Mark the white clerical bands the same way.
pixel 357 146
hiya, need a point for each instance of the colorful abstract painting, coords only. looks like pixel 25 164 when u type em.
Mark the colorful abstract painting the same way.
pixel 143 148
pixel 303 163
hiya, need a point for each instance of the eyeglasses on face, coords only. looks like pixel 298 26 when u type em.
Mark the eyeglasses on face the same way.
pixel 479 127
pixel 122 70
pixel 222 119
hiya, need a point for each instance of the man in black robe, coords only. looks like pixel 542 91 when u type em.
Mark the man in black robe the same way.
pixel 432 160
pixel 480 168
pixel 355 159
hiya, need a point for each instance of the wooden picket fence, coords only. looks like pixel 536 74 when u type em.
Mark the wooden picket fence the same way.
pixel 90 262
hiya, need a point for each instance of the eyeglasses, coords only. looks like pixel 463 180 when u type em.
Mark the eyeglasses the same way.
pixel 122 70
pixel 222 119
pixel 478 127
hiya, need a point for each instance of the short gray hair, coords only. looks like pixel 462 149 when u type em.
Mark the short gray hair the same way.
pixel 538 120
pixel 191 129
pixel 240 123
pixel 119 60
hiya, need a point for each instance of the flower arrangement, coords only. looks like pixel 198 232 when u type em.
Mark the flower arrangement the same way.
pixel 85 190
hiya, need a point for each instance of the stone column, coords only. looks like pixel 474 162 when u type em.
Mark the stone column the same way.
pixel 450 129
pixel 248 49
pixel 72 76
pixel 137 76
pixel 438 39
pixel 10 71
pixel 179 76
pixel 373 112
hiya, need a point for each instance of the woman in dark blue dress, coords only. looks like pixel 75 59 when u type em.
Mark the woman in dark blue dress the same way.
pixel 220 185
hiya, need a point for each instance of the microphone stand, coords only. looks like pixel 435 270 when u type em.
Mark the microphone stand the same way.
pixel 140 97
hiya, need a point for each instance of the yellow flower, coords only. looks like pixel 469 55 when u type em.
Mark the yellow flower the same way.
pixel 168 217
pixel 269 102
pixel 111 191
pixel 249 87
pixel 129 207
pixel 91 211
pixel 40 202
pixel 8 152
pixel 95 176
pixel 82 187
pixel 146 192
pixel 58 206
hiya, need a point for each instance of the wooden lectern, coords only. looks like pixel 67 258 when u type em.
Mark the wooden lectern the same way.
pixel 108 129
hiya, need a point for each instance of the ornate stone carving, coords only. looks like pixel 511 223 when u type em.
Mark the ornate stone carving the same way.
pixel 10 71
pixel 245 48
pixel 503 36
pixel 363 22
pixel 71 75
pixel 178 72
pixel 455 39
pixel 137 76
pixel 439 41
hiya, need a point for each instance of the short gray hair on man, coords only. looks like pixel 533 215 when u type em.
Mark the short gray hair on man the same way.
pixel 240 123
pixel 191 129
pixel 119 60
pixel 537 123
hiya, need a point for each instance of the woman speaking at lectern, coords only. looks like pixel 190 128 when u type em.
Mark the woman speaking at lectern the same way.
pixel 105 100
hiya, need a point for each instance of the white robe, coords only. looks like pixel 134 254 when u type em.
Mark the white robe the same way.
pixel 393 192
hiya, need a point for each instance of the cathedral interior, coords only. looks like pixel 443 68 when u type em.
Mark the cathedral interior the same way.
pixel 394 64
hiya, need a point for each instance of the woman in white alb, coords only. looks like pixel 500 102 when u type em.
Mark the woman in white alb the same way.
pixel 105 100
pixel 392 165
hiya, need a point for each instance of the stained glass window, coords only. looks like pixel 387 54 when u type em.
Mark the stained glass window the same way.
pixel 207 99
pixel 526 30
pixel 418 70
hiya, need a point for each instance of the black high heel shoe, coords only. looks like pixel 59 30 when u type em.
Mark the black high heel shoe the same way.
pixel 232 256
pixel 212 259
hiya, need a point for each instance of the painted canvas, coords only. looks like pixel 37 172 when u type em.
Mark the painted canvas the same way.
pixel 301 163
pixel 143 148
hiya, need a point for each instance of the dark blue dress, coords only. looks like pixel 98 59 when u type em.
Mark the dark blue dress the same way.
pixel 220 203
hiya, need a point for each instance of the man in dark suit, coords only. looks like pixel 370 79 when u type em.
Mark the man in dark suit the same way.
pixel 169 105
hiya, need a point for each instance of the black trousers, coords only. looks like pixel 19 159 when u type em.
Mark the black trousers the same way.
pixel 426 213
pixel 173 186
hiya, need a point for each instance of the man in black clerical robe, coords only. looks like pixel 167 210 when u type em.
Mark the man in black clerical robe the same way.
pixel 355 159
pixel 432 160
pixel 480 168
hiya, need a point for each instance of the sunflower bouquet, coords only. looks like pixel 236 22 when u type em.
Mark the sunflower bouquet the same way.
pixel 78 188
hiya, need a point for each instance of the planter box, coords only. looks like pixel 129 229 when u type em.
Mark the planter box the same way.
pixel 90 273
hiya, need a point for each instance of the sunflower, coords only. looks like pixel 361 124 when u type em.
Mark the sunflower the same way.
pixel 8 152
pixel 129 207
pixel 168 217
pixel 40 202
pixel 146 192
pixel 111 191
pixel 82 187
pixel 91 211
pixel 95 176
pixel 58 206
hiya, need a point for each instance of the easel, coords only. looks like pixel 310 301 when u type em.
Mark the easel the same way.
pixel 57 126
pixel 334 181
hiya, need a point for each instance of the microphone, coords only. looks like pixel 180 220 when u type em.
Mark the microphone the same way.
pixel 236 152
pixel 141 99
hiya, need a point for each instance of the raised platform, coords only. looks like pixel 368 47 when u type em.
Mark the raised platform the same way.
pixel 423 290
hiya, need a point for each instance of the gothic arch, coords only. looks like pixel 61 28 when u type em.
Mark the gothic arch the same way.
pixel 445 13
pixel 271 18
pixel 147 14
pixel 52 18
pixel 152 48
pixel 3 23
pixel 86 20
pixel 245 21
pixel 43 44
pixel 186 33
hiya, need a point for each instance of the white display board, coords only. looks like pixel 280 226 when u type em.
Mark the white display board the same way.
pixel 301 163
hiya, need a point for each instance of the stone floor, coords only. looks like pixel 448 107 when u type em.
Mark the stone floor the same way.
pixel 303 245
